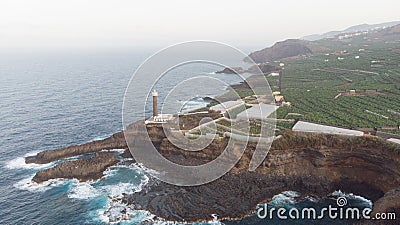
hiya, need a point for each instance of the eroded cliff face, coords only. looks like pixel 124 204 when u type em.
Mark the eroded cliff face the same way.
pixel 312 164
pixel 364 160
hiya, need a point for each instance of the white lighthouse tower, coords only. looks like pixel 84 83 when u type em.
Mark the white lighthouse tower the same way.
pixel 155 107
pixel 157 118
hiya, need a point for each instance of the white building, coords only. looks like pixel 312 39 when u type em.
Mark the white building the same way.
pixel 274 74
pixel 160 118
pixel 260 112
pixel 394 140
pixel 224 107
pixel 318 128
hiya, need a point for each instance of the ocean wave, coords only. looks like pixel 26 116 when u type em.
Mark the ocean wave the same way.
pixel 311 199
pixel 141 168
pixel 352 196
pixel 101 137
pixel 114 150
pixel 19 163
pixel 83 190
pixel 121 188
pixel 124 214
pixel 163 222
pixel 285 198
pixel 112 189
pixel 120 213
pixel 29 185
pixel 92 189
pixel 117 212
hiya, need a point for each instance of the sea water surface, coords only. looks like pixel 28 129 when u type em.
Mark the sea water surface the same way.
pixel 56 99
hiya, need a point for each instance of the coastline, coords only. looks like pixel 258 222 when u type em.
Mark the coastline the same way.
pixel 314 165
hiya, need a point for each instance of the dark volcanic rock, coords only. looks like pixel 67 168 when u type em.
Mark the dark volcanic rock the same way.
pixel 315 165
pixel 233 196
pixel 264 68
pixel 233 70
pixel 126 154
pixel 116 141
pixel 81 169
pixel 390 203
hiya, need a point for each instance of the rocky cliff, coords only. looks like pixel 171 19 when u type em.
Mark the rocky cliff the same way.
pixel 281 50
pixel 313 164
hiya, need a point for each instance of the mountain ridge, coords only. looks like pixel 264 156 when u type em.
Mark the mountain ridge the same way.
pixel 355 28
pixel 299 47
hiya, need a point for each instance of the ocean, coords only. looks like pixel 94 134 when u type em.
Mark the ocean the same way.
pixel 50 100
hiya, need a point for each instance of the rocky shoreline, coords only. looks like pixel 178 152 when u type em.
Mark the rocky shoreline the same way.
pixel 312 164
pixel 82 169
pixel 116 141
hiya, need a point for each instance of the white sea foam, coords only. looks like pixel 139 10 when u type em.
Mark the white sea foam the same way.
pixel 140 167
pixel 164 222
pixel 101 137
pixel 339 193
pixel 118 189
pixel 110 172
pixel 88 190
pixel 367 201
pixel 83 190
pixel 19 163
pixel 29 185
pixel 311 199
pixel 114 150
pixel 117 212
pixel 292 194
pixel 113 170
pixel 32 153
pixel 285 198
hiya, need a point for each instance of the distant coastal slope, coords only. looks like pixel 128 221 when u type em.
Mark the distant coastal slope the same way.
pixel 356 28
pixel 283 49
pixel 330 41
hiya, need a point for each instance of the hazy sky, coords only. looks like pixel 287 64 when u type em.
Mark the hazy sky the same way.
pixel 149 23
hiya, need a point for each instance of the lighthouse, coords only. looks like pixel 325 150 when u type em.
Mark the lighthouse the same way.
pixel 157 118
pixel 155 108
pixel 280 76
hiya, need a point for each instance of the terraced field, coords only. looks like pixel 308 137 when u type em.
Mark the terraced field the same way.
pixel 312 83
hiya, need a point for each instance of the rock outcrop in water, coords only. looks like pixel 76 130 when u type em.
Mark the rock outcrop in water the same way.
pixel 82 169
pixel 233 70
pixel 116 141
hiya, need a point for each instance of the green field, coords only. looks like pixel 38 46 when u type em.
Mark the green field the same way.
pixel 311 84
